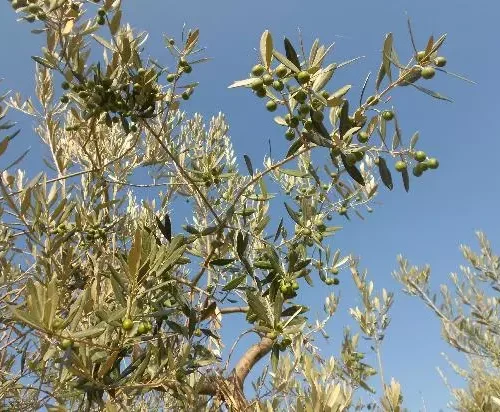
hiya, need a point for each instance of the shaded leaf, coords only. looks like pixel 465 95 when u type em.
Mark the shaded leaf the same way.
pixel 406 179
pixel 275 357
pixel 248 163
pixel 385 173
pixel 278 231
pixel 234 283
pixel 294 215
pixel 295 146
pixel 221 262
pixel 345 123
pixel 291 54
pixel 352 171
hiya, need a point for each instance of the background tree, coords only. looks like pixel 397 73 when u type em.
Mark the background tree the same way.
pixel 469 316
pixel 107 306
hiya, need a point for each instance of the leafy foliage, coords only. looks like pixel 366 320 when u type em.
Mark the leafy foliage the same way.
pixel 108 304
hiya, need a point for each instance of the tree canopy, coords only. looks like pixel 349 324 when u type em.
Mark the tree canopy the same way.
pixel 106 306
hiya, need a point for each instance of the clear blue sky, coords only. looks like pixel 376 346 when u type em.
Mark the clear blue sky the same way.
pixel 442 209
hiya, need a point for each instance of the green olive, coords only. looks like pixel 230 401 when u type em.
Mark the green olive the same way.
pixel 388 115
pixel 400 166
pixel 66 344
pixel 258 70
pixel 420 156
pixel 281 71
pixel 440 61
pixel 433 163
pixel 271 105
pixel 428 72
pixel 303 77
pixel 127 324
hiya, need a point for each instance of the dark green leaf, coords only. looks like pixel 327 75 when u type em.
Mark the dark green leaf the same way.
pixel 321 129
pixel 208 332
pixel 275 357
pixel 385 173
pixel 241 243
pixel 345 123
pixel 221 262
pixel 177 328
pixel 191 229
pixel 234 283
pixel 248 162
pixel 294 147
pixel 406 179
pixel 295 217
pixel 353 172
pixel 291 54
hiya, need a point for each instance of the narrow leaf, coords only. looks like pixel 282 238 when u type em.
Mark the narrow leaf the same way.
pixel 406 179
pixel 282 59
pixel 432 93
pixel 248 163
pixel 266 48
pixel 385 173
pixel 291 54
pixel 352 171
pixel 234 283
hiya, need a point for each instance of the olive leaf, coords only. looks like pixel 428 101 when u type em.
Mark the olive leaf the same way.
pixel 282 59
pixel 406 179
pixel 386 55
pixel 345 123
pixel 266 48
pixel 248 163
pixel 385 173
pixel 352 171
pixel 432 93
pixel 234 283
pixel 291 54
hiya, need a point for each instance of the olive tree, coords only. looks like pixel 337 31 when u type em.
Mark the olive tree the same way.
pixel 108 303
pixel 470 319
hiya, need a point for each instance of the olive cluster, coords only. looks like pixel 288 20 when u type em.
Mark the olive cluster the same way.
pixel 423 163
pixel 426 67
pixel 113 101
pixel 314 229
pixel 63 228
pixel 309 107
pixel 94 233
pixel 35 9
pixel 32 11
pixel 288 288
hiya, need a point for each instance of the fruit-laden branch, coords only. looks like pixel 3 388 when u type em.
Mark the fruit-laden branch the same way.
pixel 249 359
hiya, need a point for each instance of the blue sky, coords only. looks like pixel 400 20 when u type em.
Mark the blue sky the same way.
pixel 442 209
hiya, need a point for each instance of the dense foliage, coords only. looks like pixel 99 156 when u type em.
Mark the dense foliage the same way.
pixel 105 306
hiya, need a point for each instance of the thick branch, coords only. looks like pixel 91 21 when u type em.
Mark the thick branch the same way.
pixel 250 358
